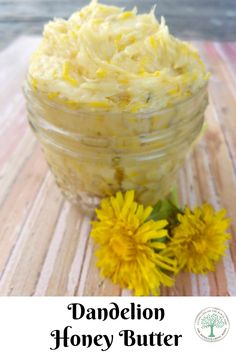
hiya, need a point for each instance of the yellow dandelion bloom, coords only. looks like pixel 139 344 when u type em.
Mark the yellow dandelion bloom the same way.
pixel 199 240
pixel 129 245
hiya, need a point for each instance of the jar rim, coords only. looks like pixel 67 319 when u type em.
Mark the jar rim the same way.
pixel 91 113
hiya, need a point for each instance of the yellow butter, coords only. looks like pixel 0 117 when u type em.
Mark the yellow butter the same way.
pixel 102 51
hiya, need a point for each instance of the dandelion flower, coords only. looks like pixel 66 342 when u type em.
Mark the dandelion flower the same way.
pixel 129 245
pixel 199 240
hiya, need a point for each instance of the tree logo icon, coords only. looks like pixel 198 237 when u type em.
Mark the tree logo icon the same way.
pixel 212 324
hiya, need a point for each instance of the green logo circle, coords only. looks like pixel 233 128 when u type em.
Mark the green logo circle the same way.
pixel 212 324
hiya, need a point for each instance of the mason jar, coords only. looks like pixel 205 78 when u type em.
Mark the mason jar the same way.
pixel 94 154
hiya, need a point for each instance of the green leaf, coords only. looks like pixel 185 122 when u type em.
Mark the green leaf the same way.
pixel 162 210
pixel 167 209
pixel 173 197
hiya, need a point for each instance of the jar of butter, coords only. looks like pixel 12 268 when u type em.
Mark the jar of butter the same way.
pixel 116 103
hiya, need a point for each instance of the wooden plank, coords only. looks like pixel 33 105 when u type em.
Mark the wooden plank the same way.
pixel 43 9
pixel 42 232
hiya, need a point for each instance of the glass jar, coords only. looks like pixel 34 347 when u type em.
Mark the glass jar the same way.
pixel 93 154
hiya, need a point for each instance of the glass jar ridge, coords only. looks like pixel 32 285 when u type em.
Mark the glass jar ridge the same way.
pixel 94 154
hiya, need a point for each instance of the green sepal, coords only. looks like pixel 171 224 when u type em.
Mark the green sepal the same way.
pixel 167 209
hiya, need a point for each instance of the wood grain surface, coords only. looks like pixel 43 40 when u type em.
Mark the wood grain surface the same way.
pixel 45 248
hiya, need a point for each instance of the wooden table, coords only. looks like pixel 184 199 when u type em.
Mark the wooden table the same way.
pixel 45 248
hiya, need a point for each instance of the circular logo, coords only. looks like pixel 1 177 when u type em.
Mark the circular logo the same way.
pixel 212 324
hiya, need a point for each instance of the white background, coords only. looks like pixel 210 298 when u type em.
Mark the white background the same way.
pixel 26 323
